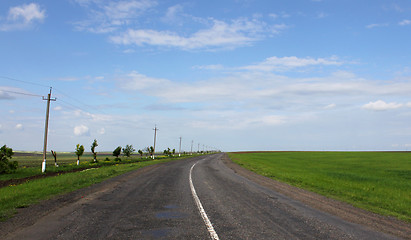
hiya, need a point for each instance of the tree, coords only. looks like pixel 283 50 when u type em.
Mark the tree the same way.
pixel 140 152
pixel 93 148
pixel 5 165
pixel 167 152
pixel 128 150
pixel 174 151
pixel 151 150
pixel 55 158
pixel 79 152
pixel 117 152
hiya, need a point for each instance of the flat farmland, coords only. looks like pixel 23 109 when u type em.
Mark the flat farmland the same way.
pixel 375 181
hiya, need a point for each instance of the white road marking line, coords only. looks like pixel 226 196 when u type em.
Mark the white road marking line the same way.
pixel 207 222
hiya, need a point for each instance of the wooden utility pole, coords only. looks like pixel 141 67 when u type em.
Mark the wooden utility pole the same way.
pixel 192 141
pixel 43 167
pixel 155 134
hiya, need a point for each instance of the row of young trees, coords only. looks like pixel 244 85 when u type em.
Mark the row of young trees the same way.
pixel 128 150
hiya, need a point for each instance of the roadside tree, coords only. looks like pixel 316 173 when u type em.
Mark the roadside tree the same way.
pixel 79 152
pixel 55 158
pixel 93 149
pixel 5 165
pixel 128 150
pixel 117 152
pixel 167 152
pixel 151 150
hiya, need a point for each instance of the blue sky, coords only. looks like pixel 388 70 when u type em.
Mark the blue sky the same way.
pixel 233 75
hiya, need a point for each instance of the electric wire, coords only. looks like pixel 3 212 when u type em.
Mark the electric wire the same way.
pixel 84 104
pixel 17 80
pixel 74 107
pixel 60 99
pixel 21 93
pixel 61 92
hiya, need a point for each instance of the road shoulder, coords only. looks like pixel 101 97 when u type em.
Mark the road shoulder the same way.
pixel 26 217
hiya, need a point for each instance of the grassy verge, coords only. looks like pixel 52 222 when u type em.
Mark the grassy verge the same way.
pixel 23 195
pixel 30 164
pixel 376 181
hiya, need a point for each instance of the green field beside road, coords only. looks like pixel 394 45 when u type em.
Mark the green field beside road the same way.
pixel 375 181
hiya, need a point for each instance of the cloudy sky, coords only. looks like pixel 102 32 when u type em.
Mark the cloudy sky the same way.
pixel 233 74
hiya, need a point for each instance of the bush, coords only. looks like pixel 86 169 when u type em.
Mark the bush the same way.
pixel 117 159
pixel 5 165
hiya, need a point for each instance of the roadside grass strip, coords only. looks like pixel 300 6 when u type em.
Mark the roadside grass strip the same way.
pixel 33 191
pixel 376 181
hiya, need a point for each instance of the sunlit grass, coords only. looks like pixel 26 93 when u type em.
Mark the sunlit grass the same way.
pixel 376 181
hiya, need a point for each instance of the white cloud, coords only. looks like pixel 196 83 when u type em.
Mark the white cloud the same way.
pixel 5 95
pixel 19 126
pixel 58 108
pixel 322 15
pixel 330 106
pixel 137 81
pixel 209 67
pixel 236 120
pixel 404 22
pixel 376 25
pixel 22 17
pixel 408 104
pixel 173 14
pixel 221 34
pixel 262 88
pixel 81 130
pixel 288 63
pixel 68 79
pixel 108 16
pixel 102 131
pixel 381 105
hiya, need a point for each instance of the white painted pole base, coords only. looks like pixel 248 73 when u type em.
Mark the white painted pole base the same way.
pixel 78 162
pixel 43 166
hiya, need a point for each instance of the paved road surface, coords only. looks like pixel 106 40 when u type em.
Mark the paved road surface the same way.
pixel 161 203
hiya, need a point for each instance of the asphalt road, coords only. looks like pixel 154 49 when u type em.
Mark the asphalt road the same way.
pixel 178 201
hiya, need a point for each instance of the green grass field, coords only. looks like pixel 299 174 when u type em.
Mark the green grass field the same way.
pixel 376 181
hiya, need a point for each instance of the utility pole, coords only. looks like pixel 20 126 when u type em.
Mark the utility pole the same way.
pixel 179 150
pixel 43 166
pixel 198 148
pixel 192 141
pixel 155 134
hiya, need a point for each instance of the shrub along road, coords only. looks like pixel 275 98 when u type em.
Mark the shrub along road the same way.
pixel 164 201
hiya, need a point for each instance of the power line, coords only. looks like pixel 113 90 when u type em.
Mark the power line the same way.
pixel 41 85
pixel 88 106
pixel 73 106
pixel 27 94
pixel 27 82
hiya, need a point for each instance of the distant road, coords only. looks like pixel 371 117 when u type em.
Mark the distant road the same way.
pixel 164 202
